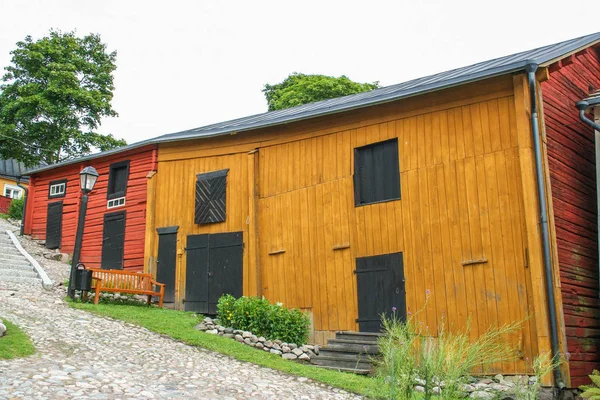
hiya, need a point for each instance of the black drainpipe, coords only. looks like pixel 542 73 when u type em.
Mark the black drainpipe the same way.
pixel 531 69
pixel 24 205
pixel 582 106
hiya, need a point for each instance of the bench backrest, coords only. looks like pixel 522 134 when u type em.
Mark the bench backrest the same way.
pixel 112 278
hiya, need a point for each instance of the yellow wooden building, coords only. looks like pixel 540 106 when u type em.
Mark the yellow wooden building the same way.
pixel 417 195
pixel 10 170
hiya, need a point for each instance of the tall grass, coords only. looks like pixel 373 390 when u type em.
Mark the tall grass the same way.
pixel 440 365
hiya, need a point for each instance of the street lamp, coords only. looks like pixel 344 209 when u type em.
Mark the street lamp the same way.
pixel 88 177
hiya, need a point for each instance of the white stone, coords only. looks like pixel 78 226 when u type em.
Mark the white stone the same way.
pixel 289 356
pixel 2 329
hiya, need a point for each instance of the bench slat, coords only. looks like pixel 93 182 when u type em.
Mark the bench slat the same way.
pixel 126 282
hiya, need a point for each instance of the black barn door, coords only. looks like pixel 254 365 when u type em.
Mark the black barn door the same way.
pixel 166 260
pixel 54 225
pixel 113 240
pixel 380 286
pixel 214 267
pixel 196 275
pixel 226 253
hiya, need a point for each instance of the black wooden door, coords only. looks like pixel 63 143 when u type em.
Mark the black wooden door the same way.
pixel 196 274
pixel 166 260
pixel 380 286
pixel 54 225
pixel 214 267
pixel 226 253
pixel 113 240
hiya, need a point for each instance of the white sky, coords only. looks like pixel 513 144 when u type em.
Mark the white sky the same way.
pixel 185 64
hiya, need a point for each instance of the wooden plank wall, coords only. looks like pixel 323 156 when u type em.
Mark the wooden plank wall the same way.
pixel 571 160
pixel 142 161
pixel 461 201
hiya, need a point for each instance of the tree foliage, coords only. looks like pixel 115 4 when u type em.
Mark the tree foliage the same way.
pixel 299 89
pixel 53 97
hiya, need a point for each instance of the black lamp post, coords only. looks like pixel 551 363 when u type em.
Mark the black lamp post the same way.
pixel 88 177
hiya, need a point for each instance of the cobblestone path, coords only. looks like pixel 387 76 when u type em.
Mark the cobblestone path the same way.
pixel 82 356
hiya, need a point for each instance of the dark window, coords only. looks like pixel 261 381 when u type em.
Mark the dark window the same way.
pixel 376 173
pixel 117 180
pixel 57 188
pixel 211 195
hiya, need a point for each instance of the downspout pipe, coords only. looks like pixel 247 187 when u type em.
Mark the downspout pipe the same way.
pixel 24 205
pixel 582 106
pixel 541 189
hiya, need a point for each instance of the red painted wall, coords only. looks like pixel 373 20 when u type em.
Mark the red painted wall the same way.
pixel 4 204
pixel 571 159
pixel 142 161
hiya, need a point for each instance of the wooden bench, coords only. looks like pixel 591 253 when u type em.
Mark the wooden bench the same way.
pixel 113 280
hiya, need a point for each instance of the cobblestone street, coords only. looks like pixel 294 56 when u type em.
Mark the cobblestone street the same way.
pixel 83 356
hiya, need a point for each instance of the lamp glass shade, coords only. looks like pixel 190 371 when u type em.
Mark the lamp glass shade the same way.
pixel 88 177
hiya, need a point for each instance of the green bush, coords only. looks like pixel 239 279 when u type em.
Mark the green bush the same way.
pixel 15 209
pixel 258 316
pixel 592 391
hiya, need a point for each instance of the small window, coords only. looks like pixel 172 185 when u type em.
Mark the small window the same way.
pixel 117 180
pixel 57 189
pixel 376 173
pixel 116 203
pixel 14 192
pixel 211 196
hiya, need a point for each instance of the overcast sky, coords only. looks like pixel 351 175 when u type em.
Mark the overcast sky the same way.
pixel 185 64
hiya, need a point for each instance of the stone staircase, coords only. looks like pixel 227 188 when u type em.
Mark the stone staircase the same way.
pixel 349 352
pixel 14 266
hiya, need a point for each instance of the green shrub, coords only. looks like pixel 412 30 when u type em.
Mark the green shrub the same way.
pixel 592 391
pixel 15 209
pixel 410 355
pixel 258 316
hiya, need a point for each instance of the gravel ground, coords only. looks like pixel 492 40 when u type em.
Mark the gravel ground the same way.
pixel 83 356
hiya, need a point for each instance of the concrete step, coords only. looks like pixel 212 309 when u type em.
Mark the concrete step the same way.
pixel 12 251
pixel 353 345
pixel 350 352
pixel 340 362
pixel 18 273
pixel 13 266
pixel 350 370
pixel 10 257
pixel 17 279
pixel 358 336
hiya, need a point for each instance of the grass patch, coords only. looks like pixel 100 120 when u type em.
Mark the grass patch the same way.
pixel 180 326
pixel 15 343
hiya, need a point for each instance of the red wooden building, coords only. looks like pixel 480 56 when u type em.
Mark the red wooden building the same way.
pixel 116 216
pixel 572 167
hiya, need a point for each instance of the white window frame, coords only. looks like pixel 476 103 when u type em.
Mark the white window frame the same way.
pixel 13 190
pixel 57 189
pixel 116 203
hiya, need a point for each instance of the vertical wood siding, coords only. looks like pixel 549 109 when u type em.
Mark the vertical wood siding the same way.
pixel 462 200
pixel 571 160
pixel 142 162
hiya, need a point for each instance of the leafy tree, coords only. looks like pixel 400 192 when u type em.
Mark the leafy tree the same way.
pixel 53 97
pixel 299 89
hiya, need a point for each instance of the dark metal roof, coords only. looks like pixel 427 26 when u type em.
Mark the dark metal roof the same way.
pixel 487 69
pixel 12 169
pixel 542 56
pixel 594 99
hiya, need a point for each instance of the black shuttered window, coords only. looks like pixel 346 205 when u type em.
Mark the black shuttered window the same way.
pixel 211 196
pixel 376 173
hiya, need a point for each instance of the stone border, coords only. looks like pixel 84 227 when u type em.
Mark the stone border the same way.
pixel 46 282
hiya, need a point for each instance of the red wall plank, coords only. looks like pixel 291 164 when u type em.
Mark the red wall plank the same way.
pixel 142 161
pixel 571 159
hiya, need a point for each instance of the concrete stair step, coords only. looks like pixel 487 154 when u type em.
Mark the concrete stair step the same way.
pixel 328 361
pixel 10 251
pixel 358 336
pixel 4 258
pixel 350 370
pixel 349 352
pixel 13 266
pixel 18 279
pixel 353 345
pixel 18 273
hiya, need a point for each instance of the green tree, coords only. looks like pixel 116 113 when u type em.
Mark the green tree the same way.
pixel 299 89
pixel 53 97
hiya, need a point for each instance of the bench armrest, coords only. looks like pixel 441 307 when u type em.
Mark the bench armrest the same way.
pixel 157 283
